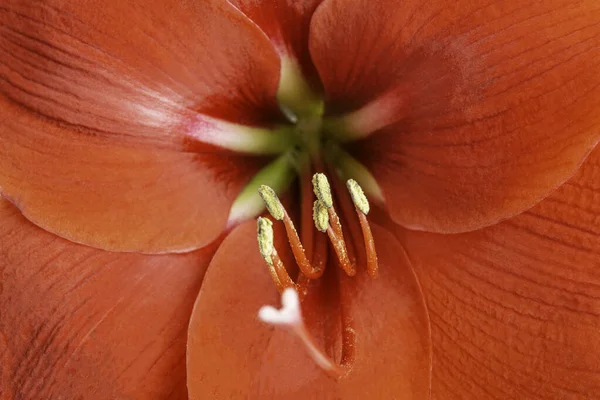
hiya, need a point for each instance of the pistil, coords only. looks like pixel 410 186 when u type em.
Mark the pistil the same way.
pixel 290 316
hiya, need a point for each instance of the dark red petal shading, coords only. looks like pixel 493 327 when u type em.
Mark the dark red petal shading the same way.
pixel 515 308
pixel 494 104
pixel 286 23
pixel 117 192
pixel 232 355
pixel 82 323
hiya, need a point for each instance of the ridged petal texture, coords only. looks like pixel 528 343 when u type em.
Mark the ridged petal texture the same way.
pixel 100 106
pixel 232 355
pixel 515 308
pixel 83 323
pixel 480 108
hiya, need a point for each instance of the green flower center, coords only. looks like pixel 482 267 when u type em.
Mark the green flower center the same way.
pixel 309 140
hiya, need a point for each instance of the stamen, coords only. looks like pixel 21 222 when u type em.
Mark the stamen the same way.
pixel 290 316
pixel 320 216
pixel 340 250
pixel 322 189
pixel 358 196
pixel 334 228
pixel 282 274
pixel 272 202
pixel 278 212
pixel 264 234
pixel 362 207
pixel 298 250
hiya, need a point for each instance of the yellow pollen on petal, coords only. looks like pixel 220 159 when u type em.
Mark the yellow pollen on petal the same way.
pixel 358 196
pixel 320 216
pixel 272 202
pixel 322 189
pixel 264 234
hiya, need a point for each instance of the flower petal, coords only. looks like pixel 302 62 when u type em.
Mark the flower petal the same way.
pixel 121 66
pixel 232 355
pixel 114 159
pixel 475 110
pixel 116 192
pixel 286 23
pixel 82 323
pixel 515 308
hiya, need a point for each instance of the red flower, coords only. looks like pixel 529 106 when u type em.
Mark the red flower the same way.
pixel 132 131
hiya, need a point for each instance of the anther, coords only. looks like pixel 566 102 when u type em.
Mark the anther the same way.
pixel 362 207
pixel 320 216
pixel 334 228
pixel 267 250
pixel 278 212
pixel 322 189
pixel 264 234
pixel 272 202
pixel 290 316
pixel 358 196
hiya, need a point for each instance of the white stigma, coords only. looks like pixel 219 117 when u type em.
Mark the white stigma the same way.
pixel 290 316
pixel 289 313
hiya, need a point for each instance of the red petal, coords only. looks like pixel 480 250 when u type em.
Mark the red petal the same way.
pixel 486 107
pixel 116 192
pixel 122 66
pixel 121 83
pixel 81 323
pixel 233 355
pixel 515 308
pixel 286 23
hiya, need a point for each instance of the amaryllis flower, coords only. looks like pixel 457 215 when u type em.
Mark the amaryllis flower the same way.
pixel 136 135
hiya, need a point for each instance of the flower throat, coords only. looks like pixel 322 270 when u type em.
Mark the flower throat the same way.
pixel 327 221
pixel 313 150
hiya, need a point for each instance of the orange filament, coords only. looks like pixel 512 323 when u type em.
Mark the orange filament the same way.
pixel 372 264
pixel 347 260
pixel 320 253
pixel 282 274
pixel 298 251
pixel 340 249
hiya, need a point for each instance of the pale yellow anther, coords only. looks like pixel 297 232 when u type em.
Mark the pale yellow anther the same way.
pixel 272 202
pixel 322 189
pixel 358 196
pixel 264 234
pixel 320 216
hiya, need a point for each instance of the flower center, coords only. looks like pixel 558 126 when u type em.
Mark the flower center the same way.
pixel 326 220
pixel 309 146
